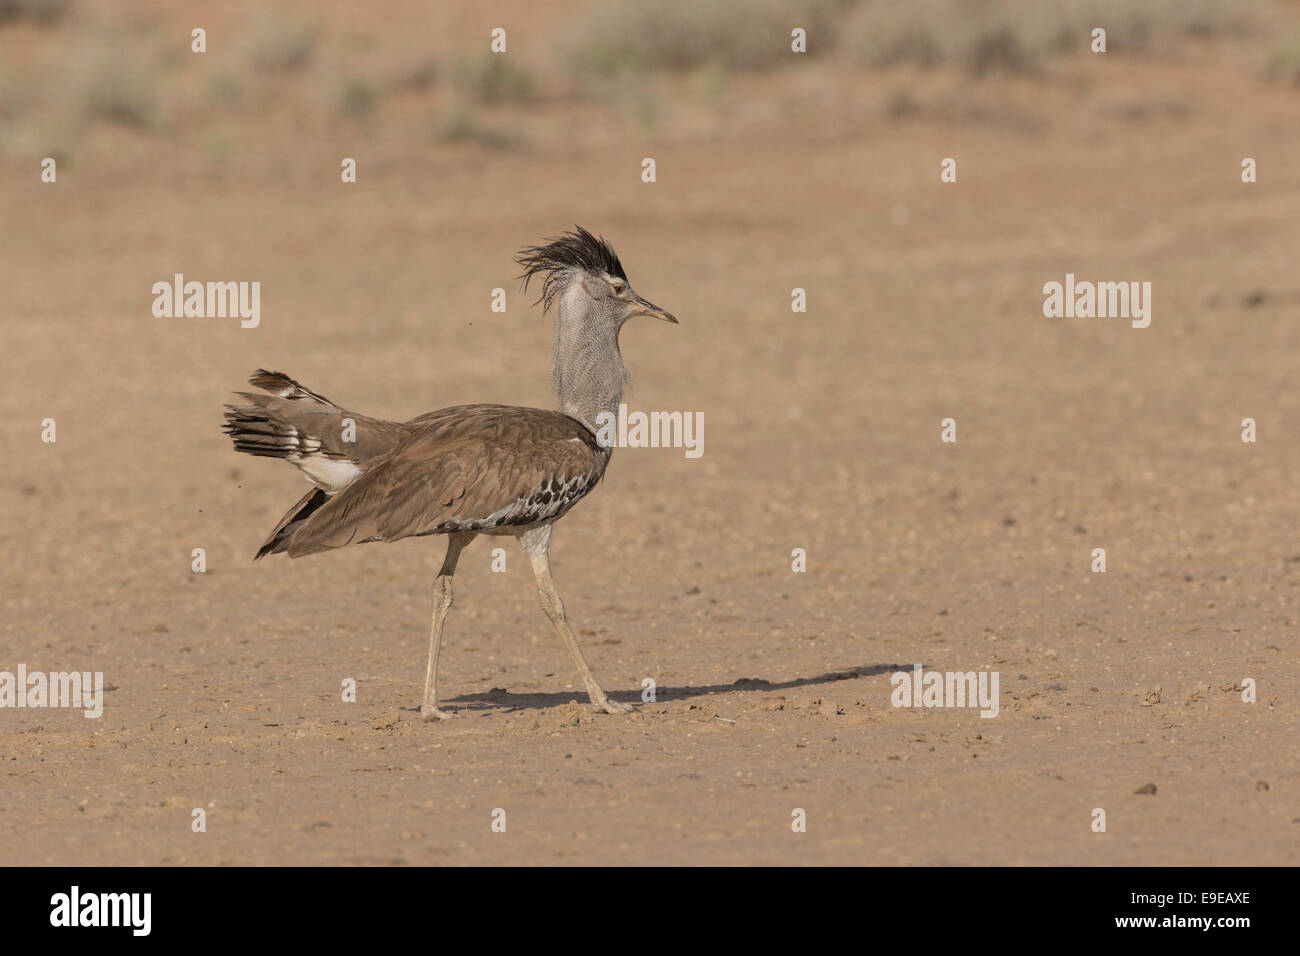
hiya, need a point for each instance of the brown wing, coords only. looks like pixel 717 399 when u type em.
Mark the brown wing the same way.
pixel 468 468
pixel 278 540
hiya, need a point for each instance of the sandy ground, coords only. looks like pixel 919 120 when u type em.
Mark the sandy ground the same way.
pixel 822 433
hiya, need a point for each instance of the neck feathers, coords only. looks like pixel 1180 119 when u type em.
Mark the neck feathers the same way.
pixel 589 372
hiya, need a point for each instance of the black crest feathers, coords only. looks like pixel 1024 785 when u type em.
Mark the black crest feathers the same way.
pixel 555 260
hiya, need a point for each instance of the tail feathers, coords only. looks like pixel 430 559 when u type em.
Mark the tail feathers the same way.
pixel 272 427
pixel 278 540
pixel 258 431
pixel 297 425
pixel 281 385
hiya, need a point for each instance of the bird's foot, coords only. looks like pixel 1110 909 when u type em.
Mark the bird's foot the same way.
pixel 433 713
pixel 607 706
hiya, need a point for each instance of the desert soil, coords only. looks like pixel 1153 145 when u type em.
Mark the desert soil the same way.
pixel 822 433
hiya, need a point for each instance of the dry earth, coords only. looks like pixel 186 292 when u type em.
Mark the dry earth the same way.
pixel 822 433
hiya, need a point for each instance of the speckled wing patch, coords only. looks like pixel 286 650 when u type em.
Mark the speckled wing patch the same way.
pixel 544 503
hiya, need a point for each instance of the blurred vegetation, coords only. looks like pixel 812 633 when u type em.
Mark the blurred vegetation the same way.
pixel 120 93
pixel 43 12
pixel 280 45
pixel 979 35
pixel 461 126
pixel 416 77
pixel 97 66
pixel 358 97
pixel 1020 35
pixel 1284 59
pixel 638 35
pixel 492 78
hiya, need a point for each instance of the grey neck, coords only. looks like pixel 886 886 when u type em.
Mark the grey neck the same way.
pixel 589 372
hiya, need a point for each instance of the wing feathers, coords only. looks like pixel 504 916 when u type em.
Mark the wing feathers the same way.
pixel 472 467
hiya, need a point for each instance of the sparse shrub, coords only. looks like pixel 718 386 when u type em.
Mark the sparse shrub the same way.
pixel 1017 35
pixel 216 150
pixel 419 76
pixel 492 78
pixel 462 126
pixel 44 12
pixel 118 93
pixel 633 97
pixel 358 97
pixel 900 103
pixel 1284 59
pixel 737 34
pixel 13 98
pixel 999 49
pixel 224 90
pixel 284 47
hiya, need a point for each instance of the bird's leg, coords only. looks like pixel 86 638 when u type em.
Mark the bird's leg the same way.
pixel 441 603
pixel 537 542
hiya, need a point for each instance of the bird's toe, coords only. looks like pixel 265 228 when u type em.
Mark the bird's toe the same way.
pixel 433 713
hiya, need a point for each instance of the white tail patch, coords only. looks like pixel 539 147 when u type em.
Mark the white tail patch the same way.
pixel 328 474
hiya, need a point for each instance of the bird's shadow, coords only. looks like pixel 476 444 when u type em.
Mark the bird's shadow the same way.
pixel 499 698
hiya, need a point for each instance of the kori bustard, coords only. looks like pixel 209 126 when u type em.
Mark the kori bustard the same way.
pixel 466 470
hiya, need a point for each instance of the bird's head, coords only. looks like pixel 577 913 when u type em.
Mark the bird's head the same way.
pixel 583 273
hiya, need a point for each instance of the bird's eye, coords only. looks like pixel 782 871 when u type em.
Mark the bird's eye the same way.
pixel 618 288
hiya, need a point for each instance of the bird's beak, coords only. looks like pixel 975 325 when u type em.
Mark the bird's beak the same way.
pixel 649 308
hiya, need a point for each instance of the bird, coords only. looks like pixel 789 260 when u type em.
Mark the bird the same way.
pixel 465 470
